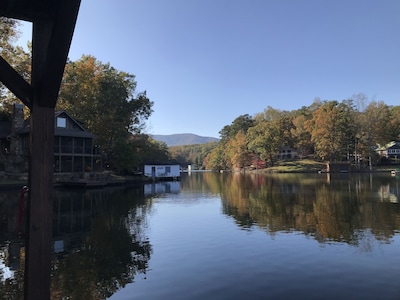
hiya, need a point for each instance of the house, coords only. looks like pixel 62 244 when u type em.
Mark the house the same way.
pixel 287 153
pixel 163 172
pixel 74 150
pixel 390 150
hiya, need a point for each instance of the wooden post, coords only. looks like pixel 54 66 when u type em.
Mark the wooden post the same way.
pixel 53 27
pixel 40 204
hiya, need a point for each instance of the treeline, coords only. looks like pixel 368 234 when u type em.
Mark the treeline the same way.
pixel 99 96
pixel 349 130
pixel 105 100
pixel 193 155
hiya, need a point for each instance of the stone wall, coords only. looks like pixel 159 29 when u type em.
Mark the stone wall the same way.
pixel 16 162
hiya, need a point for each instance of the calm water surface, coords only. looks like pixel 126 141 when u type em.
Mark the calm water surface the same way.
pixel 220 236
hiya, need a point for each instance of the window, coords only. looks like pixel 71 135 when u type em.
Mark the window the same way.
pixel 62 122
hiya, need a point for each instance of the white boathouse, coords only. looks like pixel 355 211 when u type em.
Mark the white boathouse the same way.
pixel 163 172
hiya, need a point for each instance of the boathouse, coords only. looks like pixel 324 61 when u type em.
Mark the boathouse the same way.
pixel 163 172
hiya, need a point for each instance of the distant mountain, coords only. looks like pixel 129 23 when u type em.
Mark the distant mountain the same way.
pixel 183 139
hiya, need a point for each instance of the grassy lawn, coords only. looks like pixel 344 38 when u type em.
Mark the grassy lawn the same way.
pixel 297 166
pixel 310 166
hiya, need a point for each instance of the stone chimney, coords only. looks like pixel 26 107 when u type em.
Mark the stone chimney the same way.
pixel 18 118
pixel 16 163
pixel 17 125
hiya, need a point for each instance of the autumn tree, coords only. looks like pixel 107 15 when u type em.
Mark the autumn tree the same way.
pixel 8 36
pixel 191 154
pixel 330 130
pixel 374 129
pixel 16 56
pixel 301 136
pixel 394 127
pixel 241 123
pixel 270 134
pixel 237 152
pixel 105 100
pixel 377 123
pixel 217 159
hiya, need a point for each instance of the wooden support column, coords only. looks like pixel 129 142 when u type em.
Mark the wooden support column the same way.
pixel 41 157
pixel 40 204
pixel 53 27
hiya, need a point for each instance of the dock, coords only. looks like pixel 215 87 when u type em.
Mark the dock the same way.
pixel 89 183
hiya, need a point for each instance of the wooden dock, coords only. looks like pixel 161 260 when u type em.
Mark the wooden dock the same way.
pixel 86 184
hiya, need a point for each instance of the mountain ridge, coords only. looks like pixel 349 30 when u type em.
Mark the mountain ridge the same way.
pixel 182 139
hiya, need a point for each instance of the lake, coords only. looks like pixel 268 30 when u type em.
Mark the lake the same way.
pixel 219 236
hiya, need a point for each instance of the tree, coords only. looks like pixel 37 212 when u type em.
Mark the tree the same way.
pixel 374 129
pixel 270 134
pixel 15 56
pixel 105 100
pixel 237 152
pixel 330 130
pixel 394 127
pixel 216 159
pixel 8 36
pixel 192 154
pixel 301 136
pixel 137 150
pixel 241 123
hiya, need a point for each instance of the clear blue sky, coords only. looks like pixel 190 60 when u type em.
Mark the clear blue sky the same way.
pixel 206 62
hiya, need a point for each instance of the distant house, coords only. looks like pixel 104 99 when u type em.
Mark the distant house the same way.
pixel 287 153
pixel 74 150
pixel 162 171
pixel 390 150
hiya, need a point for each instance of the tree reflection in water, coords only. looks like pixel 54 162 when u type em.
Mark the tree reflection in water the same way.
pixel 100 244
pixel 350 208
pixel 100 237
pixel 112 249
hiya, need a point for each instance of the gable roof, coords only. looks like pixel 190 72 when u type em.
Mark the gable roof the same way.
pixel 391 145
pixel 76 122
pixel 77 130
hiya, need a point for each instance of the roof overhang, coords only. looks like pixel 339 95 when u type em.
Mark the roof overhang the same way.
pixel 53 26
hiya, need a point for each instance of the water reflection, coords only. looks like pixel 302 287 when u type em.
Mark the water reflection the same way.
pixel 100 243
pixel 162 187
pixel 339 207
pixel 101 239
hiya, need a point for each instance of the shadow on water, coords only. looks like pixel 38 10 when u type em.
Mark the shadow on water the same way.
pixel 99 242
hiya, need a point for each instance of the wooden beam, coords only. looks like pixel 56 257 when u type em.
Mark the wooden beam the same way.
pixel 28 10
pixel 15 83
pixel 53 27
pixel 56 36
pixel 40 204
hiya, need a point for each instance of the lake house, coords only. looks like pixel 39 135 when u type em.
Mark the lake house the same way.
pixel 74 150
pixel 390 150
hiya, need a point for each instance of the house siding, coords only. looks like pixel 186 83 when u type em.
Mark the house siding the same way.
pixel 74 150
pixel 162 171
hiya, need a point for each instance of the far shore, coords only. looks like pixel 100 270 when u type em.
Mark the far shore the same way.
pixel 17 181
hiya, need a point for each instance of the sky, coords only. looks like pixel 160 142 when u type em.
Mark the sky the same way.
pixel 206 62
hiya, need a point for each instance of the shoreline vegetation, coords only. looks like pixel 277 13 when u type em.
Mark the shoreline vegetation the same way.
pixel 295 166
pixel 314 166
pixel 108 178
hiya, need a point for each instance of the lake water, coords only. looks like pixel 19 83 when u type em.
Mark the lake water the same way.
pixel 220 236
